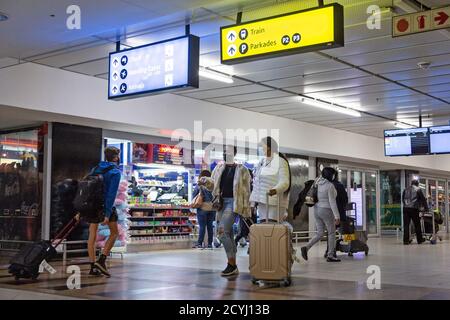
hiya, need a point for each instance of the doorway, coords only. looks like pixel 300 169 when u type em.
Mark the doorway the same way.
pixel 362 188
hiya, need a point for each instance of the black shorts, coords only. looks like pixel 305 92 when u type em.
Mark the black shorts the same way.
pixel 101 217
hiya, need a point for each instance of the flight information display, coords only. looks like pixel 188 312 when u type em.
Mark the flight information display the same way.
pixel 162 66
pixel 406 142
pixel 440 139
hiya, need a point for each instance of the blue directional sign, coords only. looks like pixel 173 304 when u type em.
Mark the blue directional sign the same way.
pixel 162 66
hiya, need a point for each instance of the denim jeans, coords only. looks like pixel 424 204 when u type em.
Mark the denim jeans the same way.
pixel 226 218
pixel 205 221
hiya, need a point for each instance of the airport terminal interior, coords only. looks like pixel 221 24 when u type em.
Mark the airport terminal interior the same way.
pixel 359 88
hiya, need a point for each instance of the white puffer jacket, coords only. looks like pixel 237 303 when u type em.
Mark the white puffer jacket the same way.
pixel 271 174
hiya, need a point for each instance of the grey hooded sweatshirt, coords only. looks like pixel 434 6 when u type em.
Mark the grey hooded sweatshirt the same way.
pixel 326 193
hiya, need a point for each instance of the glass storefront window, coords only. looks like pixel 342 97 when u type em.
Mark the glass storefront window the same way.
pixel 371 202
pixel 299 171
pixel 391 215
pixel 441 197
pixel 20 187
pixel 356 196
pixel 432 194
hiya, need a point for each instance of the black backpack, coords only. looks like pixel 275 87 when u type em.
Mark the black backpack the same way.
pixel 90 199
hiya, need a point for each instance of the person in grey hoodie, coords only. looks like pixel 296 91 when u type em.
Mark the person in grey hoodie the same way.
pixel 326 214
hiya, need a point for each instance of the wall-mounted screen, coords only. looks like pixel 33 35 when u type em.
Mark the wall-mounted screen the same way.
pixel 440 139
pixel 162 66
pixel 406 142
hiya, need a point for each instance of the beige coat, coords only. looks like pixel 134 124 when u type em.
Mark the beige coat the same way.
pixel 241 188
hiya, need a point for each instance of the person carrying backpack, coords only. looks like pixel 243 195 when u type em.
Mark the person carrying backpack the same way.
pixel 413 202
pixel 326 213
pixel 105 179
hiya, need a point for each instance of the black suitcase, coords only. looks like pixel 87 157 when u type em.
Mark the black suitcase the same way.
pixel 26 263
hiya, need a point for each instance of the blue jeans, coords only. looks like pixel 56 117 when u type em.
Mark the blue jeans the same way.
pixel 205 222
pixel 226 218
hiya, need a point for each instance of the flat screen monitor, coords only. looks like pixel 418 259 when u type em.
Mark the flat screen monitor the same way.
pixel 440 139
pixel 406 142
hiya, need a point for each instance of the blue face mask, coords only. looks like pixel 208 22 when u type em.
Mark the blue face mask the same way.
pixel 261 152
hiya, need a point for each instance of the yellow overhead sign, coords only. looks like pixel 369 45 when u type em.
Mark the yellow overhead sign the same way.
pixel 302 31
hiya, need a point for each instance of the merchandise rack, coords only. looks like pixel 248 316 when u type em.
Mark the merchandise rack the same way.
pixel 155 217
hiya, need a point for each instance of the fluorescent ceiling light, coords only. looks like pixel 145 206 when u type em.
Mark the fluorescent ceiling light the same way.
pixel 214 76
pixel 331 107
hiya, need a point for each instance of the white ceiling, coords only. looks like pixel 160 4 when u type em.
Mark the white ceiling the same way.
pixel 374 73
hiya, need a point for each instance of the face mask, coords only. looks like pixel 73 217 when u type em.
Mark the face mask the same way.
pixel 261 152
pixel 228 157
pixel 179 182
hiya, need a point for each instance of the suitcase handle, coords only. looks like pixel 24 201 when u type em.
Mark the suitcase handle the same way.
pixel 68 228
pixel 278 206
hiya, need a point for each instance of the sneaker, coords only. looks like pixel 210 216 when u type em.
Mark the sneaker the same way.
pixel 420 242
pixel 210 247
pixel 333 259
pixel 94 272
pixel 230 271
pixel 304 251
pixel 101 266
pixel 198 246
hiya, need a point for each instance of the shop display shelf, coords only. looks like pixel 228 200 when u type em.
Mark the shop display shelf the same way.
pixel 159 208
pixel 167 217
pixel 160 234
pixel 164 225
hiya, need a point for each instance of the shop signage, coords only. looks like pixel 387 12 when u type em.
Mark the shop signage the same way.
pixel 163 66
pixel 298 32
pixel 421 22
pixel 167 154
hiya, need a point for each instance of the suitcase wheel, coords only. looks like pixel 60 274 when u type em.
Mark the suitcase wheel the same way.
pixel 287 282
pixel 433 241
pixel 366 252
pixel 350 254
pixel 254 281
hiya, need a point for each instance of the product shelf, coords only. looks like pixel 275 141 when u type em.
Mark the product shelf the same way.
pixel 159 234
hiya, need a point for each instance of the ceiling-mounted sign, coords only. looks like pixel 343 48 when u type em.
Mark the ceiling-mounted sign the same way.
pixel 421 22
pixel 163 66
pixel 297 32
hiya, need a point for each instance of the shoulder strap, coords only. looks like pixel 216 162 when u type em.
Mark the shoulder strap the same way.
pixel 104 171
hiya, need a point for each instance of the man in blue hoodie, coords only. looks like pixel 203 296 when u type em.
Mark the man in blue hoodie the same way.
pixel 111 179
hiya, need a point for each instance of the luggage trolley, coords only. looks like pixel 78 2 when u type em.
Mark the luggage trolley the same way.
pixel 351 240
pixel 429 227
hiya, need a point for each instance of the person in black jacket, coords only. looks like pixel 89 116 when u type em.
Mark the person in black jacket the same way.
pixel 341 201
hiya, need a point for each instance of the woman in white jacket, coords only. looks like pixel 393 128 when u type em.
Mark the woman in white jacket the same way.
pixel 271 176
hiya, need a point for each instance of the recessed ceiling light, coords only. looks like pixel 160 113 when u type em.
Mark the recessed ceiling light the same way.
pixel 3 16
pixel 52 15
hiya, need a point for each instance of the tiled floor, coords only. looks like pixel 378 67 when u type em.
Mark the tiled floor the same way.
pixel 407 272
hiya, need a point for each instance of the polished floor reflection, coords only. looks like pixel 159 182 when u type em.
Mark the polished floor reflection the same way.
pixel 407 272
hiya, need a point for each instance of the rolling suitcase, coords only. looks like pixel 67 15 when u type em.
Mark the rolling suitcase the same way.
pixel 26 263
pixel 270 251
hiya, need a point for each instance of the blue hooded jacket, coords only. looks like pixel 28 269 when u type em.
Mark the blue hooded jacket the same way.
pixel 111 181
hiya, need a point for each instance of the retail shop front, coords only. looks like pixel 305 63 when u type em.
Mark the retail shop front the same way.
pixel 161 178
pixel 21 185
